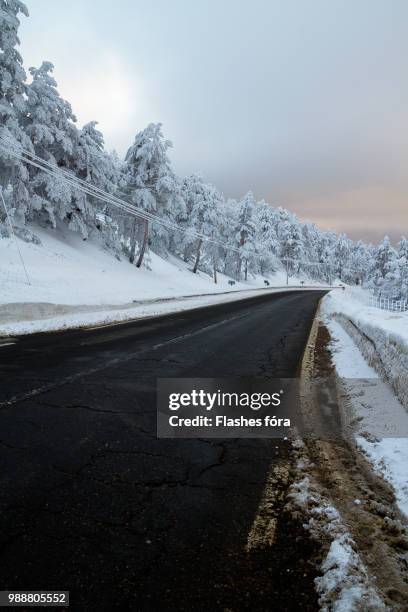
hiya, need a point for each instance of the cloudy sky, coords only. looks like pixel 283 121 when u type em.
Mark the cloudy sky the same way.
pixel 305 103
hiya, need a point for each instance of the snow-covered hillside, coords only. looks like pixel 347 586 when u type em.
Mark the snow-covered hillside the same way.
pixel 74 282
pixel 65 269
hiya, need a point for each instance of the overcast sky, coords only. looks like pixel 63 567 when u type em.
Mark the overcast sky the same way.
pixel 305 103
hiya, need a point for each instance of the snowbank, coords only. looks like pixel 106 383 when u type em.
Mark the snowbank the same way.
pixel 381 336
pixel 389 457
pixel 380 421
pixel 85 316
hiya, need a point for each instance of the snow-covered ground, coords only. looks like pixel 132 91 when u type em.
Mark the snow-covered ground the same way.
pixel 68 270
pixel 74 283
pixel 380 419
pixel 389 457
pixel 344 584
pixel 354 303
pixel 382 336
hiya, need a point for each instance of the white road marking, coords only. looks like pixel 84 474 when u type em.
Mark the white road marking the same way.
pixel 198 331
pixel 6 344
pixel 113 362
pixel 262 534
pixel 112 324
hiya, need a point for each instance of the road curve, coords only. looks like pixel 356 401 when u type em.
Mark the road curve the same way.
pixel 92 502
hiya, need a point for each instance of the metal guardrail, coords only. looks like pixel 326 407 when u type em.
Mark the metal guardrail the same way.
pixel 389 304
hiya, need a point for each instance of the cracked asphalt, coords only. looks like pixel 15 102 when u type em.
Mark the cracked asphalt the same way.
pixel 92 502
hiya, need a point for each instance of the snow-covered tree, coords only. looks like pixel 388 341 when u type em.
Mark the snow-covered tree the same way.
pixel 267 243
pixel 50 120
pixel 12 106
pixel 151 184
pixel 202 201
pixel 227 224
pixel 385 275
pixel 92 164
pixel 341 255
pixel 292 248
pixel 52 131
pixel 360 261
pixel 402 257
pixel 311 239
pixel 245 234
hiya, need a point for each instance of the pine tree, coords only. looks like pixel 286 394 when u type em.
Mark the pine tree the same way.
pixel 245 234
pixel 151 184
pixel 359 262
pixel 267 244
pixel 50 126
pixel 227 224
pixel 201 201
pixel 386 273
pixel 191 192
pixel 402 255
pixel 341 255
pixel 292 244
pixel 12 105
pixel 92 164
pixel 311 239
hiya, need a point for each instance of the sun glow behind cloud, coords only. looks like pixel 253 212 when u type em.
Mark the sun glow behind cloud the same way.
pixel 101 82
pixel 111 94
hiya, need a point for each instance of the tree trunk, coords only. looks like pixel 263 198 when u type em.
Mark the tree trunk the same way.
pixel 197 261
pixel 133 241
pixel 215 270
pixel 144 244
pixel 225 264
pixel 241 244
pixel 246 269
pixel 239 265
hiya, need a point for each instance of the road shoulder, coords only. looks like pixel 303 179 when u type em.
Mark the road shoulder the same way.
pixel 348 507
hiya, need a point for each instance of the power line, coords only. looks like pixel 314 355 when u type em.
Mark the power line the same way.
pixel 29 157
pixel 18 152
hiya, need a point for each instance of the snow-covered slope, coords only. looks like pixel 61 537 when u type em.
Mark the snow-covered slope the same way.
pixel 68 270
pixel 75 282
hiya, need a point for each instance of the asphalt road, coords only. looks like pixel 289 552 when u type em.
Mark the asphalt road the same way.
pixel 92 502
